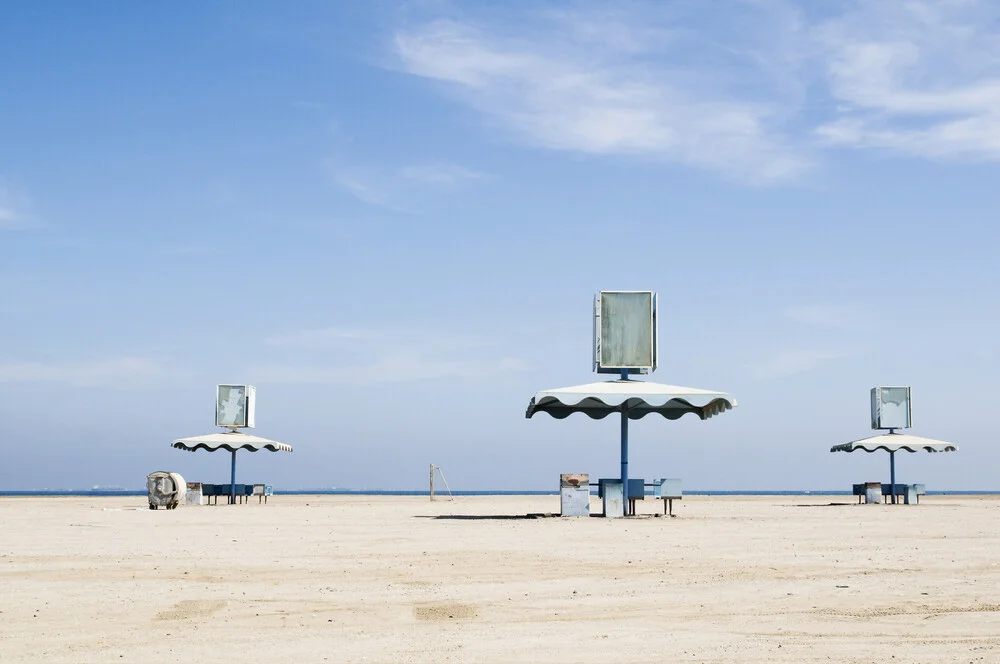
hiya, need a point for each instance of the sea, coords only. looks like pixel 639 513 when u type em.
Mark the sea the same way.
pixel 488 492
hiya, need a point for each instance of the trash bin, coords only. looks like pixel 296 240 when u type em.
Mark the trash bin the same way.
pixel 574 494
pixel 165 489
pixel 910 495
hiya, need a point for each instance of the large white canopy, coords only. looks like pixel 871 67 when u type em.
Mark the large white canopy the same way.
pixel 231 442
pixel 893 442
pixel 640 398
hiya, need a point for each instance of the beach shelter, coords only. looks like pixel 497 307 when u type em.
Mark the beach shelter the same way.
pixel 893 442
pixel 632 399
pixel 230 441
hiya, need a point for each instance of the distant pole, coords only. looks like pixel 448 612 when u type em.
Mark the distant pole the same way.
pixel 625 447
pixel 892 475
pixel 432 481
pixel 232 481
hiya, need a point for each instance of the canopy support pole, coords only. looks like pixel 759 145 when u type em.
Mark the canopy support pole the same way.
pixel 232 481
pixel 625 448
pixel 892 475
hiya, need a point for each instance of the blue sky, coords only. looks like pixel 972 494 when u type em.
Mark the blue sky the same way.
pixel 392 219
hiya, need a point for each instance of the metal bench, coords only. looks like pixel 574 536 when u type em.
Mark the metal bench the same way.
pixel 910 493
pixel 668 489
pixel 262 491
pixel 210 491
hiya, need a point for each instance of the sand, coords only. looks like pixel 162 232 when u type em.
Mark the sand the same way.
pixel 403 579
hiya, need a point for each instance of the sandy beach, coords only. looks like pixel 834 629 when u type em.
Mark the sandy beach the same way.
pixel 403 579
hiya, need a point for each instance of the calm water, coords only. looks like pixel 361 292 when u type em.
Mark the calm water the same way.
pixel 378 492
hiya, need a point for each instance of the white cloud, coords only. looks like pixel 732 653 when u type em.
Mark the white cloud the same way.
pixel 918 77
pixel 618 84
pixel 102 372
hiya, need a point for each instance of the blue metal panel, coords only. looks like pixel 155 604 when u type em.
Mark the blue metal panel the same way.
pixel 667 487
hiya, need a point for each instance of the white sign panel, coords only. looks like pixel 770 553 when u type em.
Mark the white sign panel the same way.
pixel 234 406
pixel 891 408
pixel 625 331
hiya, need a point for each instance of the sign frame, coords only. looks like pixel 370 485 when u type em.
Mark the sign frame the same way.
pixel 879 414
pixel 603 365
pixel 249 402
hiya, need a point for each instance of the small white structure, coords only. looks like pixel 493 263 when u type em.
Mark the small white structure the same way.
pixel 165 489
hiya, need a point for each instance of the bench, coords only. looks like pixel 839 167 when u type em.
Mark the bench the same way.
pixel 910 493
pixel 243 492
pixel 668 489
pixel 262 491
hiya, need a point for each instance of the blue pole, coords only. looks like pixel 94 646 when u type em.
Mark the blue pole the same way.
pixel 625 447
pixel 892 475
pixel 232 481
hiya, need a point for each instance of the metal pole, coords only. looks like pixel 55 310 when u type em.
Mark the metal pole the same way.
pixel 232 481
pixel 432 481
pixel 892 474
pixel 625 448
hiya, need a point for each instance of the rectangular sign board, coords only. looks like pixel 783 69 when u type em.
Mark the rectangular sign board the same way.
pixel 625 331
pixel 235 406
pixel 891 408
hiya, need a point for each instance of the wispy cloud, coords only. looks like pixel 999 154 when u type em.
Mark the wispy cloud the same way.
pixel 753 90
pixel 790 362
pixel 441 174
pixel 400 190
pixel 916 77
pixel 368 189
pixel 625 83
pixel 99 372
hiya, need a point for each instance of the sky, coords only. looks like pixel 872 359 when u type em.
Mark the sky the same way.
pixel 392 219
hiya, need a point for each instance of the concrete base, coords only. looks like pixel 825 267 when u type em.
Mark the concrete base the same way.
pixel 574 501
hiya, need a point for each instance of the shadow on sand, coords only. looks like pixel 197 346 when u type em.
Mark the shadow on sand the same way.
pixel 487 517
